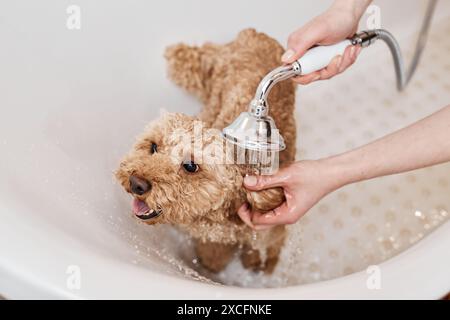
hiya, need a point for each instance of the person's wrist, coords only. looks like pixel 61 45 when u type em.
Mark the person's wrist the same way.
pixel 355 7
pixel 338 171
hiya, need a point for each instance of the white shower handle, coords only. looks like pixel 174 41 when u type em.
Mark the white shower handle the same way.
pixel 319 57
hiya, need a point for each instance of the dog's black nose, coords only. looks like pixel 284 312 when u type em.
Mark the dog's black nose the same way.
pixel 139 185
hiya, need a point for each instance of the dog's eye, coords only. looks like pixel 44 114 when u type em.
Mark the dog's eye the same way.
pixel 153 148
pixel 190 166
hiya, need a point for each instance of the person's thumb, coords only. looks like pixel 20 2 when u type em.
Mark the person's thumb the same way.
pixel 264 182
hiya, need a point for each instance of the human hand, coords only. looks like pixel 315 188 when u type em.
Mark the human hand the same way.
pixel 422 144
pixel 304 184
pixel 336 24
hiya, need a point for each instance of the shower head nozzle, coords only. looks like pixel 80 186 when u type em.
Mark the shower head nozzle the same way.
pixel 257 133
pixel 257 140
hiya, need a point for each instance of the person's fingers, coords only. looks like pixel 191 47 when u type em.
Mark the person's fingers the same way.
pixel 265 182
pixel 308 78
pixel 336 66
pixel 281 215
pixel 332 69
pixel 349 57
pixel 245 215
pixel 302 40
pixel 326 73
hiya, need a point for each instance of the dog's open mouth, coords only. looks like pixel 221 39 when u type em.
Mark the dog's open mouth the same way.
pixel 143 211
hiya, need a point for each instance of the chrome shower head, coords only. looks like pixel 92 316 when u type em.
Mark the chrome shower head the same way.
pixel 257 142
pixel 255 130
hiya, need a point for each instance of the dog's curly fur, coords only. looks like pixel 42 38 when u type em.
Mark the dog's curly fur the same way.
pixel 224 78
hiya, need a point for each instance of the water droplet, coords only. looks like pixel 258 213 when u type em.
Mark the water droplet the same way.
pixel 419 214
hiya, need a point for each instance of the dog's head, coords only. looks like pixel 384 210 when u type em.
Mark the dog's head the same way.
pixel 178 172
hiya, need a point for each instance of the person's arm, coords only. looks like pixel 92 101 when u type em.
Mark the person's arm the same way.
pixel 420 145
pixel 339 22
pixel 423 144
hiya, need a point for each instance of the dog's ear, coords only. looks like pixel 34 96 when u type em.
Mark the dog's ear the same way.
pixel 265 200
pixel 190 67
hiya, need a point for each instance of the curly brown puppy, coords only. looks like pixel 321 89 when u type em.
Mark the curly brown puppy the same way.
pixel 174 182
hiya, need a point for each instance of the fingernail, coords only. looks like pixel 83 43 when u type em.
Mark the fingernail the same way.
pixel 339 62
pixel 352 52
pixel 250 181
pixel 287 55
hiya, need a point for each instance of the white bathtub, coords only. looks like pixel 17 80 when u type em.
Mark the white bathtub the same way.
pixel 71 102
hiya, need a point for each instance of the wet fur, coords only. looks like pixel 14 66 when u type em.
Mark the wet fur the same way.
pixel 204 204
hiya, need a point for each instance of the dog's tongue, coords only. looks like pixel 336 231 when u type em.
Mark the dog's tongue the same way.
pixel 140 207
